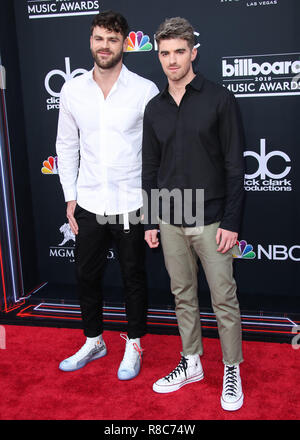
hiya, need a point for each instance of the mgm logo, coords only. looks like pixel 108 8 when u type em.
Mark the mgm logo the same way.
pixel 65 249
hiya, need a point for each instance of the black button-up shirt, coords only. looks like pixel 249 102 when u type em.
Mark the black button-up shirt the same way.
pixel 196 145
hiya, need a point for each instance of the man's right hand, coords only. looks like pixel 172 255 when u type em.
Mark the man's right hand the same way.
pixel 71 205
pixel 151 238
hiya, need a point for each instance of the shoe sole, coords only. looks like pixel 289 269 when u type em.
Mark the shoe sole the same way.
pixel 128 378
pixel 135 373
pixel 169 389
pixel 234 406
pixel 100 355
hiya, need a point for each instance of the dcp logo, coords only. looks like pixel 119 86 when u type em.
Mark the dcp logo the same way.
pixel 67 75
pixel 263 159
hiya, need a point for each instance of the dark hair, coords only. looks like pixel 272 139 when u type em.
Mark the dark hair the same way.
pixel 176 27
pixel 112 21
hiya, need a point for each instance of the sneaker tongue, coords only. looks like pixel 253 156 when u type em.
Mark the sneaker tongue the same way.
pixel 135 340
pixel 131 352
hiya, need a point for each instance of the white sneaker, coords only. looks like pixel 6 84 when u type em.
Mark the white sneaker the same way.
pixel 232 396
pixel 131 363
pixel 188 370
pixel 94 348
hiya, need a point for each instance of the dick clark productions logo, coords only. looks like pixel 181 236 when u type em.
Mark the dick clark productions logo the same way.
pixel 263 179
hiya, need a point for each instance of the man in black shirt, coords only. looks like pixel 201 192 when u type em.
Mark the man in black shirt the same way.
pixel 192 141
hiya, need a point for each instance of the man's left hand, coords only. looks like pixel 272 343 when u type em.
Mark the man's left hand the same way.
pixel 225 239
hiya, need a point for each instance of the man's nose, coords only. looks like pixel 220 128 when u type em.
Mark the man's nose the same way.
pixel 105 44
pixel 172 58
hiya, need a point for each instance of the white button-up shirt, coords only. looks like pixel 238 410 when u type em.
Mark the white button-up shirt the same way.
pixel 99 142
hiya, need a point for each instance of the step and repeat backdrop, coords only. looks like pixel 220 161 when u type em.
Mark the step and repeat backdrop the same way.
pixel 250 47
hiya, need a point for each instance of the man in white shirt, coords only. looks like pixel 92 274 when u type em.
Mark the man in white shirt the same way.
pixel 99 142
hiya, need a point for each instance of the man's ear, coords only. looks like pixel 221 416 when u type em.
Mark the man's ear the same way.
pixel 125 44
pixel 194 53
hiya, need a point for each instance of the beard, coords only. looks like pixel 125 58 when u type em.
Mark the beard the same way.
pixel 107 64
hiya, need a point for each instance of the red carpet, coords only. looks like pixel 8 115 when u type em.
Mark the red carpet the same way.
pixel 33 388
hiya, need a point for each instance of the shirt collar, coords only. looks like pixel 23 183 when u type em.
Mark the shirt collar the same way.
pixel 196 84
pixel 123 77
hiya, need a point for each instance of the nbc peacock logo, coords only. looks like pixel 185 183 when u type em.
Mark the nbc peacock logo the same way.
pixel 138 42
pixel 246 251
pixel 50 166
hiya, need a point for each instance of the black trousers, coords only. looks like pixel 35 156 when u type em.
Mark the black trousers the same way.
pixel 91 249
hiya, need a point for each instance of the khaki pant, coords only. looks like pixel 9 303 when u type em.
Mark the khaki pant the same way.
pixel 181 251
